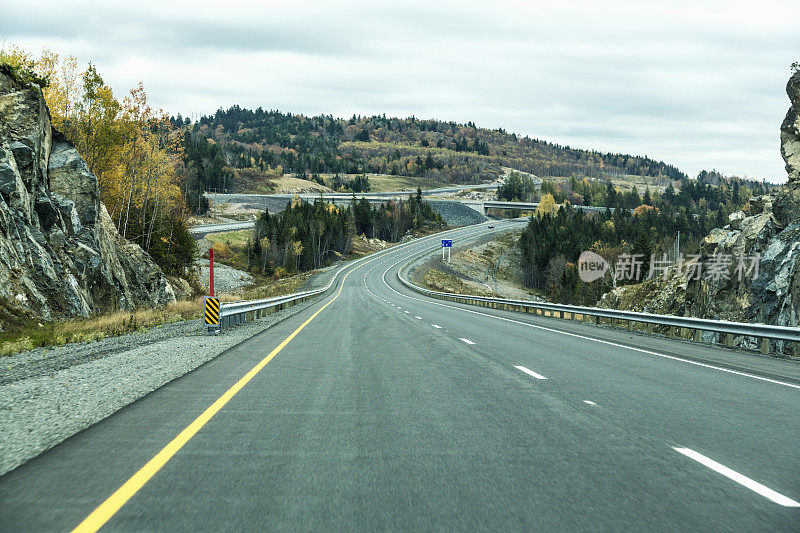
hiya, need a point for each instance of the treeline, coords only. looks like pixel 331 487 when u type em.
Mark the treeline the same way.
pixel 303 237
pixel 551 243
pixel 307 236
pixel 394 219
pixel 357 184
pixel 134 151
pixel 697 195
pixel 446 151
pixel 206 168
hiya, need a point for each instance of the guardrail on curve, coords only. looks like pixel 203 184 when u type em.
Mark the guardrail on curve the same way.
pixel 765 332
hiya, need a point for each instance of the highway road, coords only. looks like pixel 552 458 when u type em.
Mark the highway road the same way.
pixel 378 408
pixel 217 228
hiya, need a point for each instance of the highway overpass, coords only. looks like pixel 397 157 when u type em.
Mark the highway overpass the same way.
pixel 484 206
pixel 480 206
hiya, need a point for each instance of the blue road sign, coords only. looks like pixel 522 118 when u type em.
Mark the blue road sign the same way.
pixel 447 243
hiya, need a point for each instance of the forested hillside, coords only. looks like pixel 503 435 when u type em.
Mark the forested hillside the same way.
pixel 271 143
pixel 646 225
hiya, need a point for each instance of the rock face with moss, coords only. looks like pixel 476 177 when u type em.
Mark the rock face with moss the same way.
pixel 771 229
pixel 60 253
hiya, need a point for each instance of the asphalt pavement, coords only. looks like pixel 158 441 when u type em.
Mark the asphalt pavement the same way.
pixel 389 410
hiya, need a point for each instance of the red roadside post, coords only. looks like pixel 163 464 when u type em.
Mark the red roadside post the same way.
pixel 211 271
pixel 212 313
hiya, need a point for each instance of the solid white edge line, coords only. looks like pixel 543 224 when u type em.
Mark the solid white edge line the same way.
pixel 466 340
pixel 741 479
pixel 530 372
pixel 609 343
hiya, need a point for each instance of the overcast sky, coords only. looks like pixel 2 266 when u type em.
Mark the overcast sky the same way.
pixel 699 84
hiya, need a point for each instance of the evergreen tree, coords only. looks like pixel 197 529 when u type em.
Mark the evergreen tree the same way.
pixel 647 200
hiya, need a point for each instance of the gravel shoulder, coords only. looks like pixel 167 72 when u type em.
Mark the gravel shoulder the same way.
pixel 226 278
pixel 49 395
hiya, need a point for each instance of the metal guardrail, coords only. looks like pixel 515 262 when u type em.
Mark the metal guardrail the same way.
pixel 765 332
pixel 235 313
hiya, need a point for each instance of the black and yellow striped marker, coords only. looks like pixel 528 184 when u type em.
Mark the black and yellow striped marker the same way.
pixel 212 311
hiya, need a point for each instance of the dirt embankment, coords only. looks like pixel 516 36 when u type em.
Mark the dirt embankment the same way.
pixel 489 266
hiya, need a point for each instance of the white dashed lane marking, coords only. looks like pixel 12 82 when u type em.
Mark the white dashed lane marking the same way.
pixel 741 479
pixel 530 372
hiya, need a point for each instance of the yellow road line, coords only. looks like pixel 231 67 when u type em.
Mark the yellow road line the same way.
pixel 108 508
pixel 114 503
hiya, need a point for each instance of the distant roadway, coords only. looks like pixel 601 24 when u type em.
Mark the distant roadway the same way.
pixel 204 229
pixel 378 408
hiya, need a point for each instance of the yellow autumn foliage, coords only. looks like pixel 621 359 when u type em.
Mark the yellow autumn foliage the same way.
pixel 547 205
pixel 128 145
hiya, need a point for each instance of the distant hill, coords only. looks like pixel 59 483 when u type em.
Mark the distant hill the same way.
pixel 259 141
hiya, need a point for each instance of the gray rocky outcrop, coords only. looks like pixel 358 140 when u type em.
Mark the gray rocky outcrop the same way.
pixel 790 130
pixel 60 253
pixel 770 229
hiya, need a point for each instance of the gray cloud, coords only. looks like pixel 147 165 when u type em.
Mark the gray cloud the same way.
pixel 700 86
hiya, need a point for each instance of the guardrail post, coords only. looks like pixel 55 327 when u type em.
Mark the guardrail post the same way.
pixel 672 330
pixel 764 345
pixel 698 335
pixel 630 325
pixel 650 327
pixel 728 341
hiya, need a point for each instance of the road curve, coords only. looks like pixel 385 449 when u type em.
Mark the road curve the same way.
pixel 385 409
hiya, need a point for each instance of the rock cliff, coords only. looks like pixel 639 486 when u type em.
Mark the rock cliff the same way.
pixel 770 229
pixel 60 253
